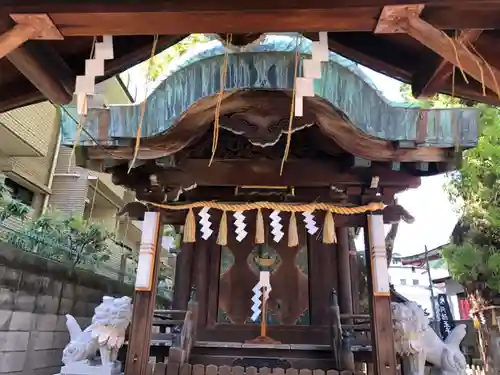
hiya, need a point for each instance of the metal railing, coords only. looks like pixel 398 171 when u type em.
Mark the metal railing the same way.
pixel 60 252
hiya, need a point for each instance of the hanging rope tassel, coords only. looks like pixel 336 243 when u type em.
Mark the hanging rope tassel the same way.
pixel 190 227
pixel 143 106
pixel 293 233
pixel 329 229
pixel 223 75
pixel 260 233
pixel 222 237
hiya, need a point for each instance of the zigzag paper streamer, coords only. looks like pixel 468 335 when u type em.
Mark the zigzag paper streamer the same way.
pixel 94 67
pixel 277 231
pixel 311 69
pixel 205 223
pixel 264 282
pixel 310 222
pixel 241 233
pixel 257 293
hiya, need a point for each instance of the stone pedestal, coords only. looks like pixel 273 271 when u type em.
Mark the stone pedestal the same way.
pixel 84 368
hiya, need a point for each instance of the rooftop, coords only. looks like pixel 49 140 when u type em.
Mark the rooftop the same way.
pixel 413 43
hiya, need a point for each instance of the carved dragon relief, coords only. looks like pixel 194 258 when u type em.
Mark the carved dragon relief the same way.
pixel 251 141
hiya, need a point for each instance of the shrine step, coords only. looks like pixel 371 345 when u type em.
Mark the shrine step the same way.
pixel 266 350
pixel 260 362
pixel 265 355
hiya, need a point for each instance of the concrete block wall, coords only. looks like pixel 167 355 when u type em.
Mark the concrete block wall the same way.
pixel 35 296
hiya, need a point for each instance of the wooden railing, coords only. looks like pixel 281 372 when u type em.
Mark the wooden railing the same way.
pixel 173 336
pixel 181 337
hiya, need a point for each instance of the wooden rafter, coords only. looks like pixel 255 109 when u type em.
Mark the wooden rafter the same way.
pixel 37 61
pixel 359 47
pixel 406 19
pixel 28 26
pixel 430 80
pixel 46 70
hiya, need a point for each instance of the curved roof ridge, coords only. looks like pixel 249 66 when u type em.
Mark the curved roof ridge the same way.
pixel 273 42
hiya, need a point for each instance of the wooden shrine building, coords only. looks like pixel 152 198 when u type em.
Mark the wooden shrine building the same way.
pixel 267 171
pixel 210 160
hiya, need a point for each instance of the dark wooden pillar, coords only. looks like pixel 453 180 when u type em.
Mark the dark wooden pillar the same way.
pixel 322 277
pixel 382 334
pixel 343 271
pixel 183 277
pixel 142 316
pixel 200 278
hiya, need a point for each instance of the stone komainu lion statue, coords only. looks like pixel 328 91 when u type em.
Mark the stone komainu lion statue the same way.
pixel 416 342
pixel 106 333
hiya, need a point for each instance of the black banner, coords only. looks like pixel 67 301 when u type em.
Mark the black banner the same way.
pixel 446 322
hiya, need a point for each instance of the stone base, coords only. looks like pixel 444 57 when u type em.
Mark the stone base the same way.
pixel 84 368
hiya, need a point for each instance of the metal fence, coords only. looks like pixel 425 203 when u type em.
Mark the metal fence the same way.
pixel 61 253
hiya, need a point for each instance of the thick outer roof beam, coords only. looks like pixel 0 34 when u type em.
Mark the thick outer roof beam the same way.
pixel 43 67
pixel 406 19
pixel 33 26
pixel 430 79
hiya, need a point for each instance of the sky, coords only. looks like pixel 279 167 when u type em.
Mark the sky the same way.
pixel 429 204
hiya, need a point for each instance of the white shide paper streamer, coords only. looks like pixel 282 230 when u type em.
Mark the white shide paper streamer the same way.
pixel 94 67
pixel 264 283
pixel 205 223
pixel 304 86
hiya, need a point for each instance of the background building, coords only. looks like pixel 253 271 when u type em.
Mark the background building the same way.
pixel 41 173
pixel 413 282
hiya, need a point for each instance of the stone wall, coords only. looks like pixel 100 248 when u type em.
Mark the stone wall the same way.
pixel 35 295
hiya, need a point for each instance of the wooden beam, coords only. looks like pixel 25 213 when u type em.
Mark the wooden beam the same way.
pixel 14 37
pixel 254 172
pixel 32 26
pixel 114 6
pixel 46 70
pixel 144 304
pixel 405 19
pixel 429 80
pixel 79 18
pixel 128 52
pixel 38 62
pixel 382 334
pixel 230 21
pixel 454 52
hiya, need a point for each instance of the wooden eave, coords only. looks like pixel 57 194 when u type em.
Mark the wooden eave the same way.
pixel 27 78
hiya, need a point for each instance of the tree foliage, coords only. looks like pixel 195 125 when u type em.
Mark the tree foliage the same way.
pixel 66 238
pixel 10 207
pixel 473 257
pixel 163 59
